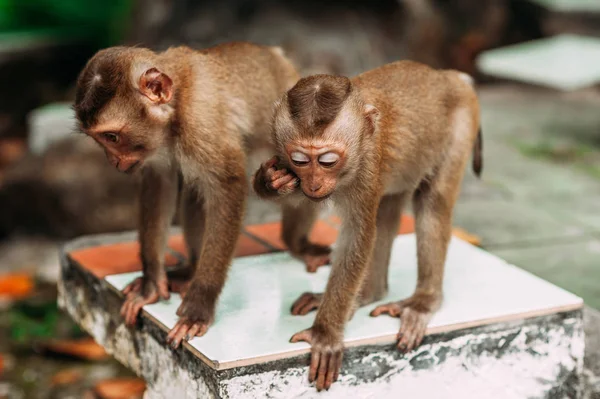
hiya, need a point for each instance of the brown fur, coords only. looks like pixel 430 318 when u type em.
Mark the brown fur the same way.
pixel 191 117
pixel 402 132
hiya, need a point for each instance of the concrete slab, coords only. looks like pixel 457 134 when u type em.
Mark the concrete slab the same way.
pixel 563 62
pixel 481 338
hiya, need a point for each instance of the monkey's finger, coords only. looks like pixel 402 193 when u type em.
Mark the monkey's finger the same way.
pixel 129 316
pixel 299 303
pixel 171 335
pixel 309 307
pixel 127 306
pixel 282 181
pixel 419 336
pixel 181 332
pixel 379 310
pixel 338 364
pixel 331 369
pixel 135 286
pixel 274 174
pixel 134 310
pixel 290 186
pixel 314 365
pixel 124 307
pixel 203 330
pixel 304 335
pixel 193 331
pixel 322 373
pixel 271 162
pixel 163 291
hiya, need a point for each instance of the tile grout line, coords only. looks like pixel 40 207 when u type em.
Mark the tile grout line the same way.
pixel 261 241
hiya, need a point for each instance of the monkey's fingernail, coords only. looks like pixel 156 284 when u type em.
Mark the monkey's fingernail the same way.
pixel 187 337
pixel 174 345
pixel 297 183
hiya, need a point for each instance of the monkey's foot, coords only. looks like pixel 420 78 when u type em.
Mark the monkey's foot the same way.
pixel 314 256
pixel 306 303
pixel 185 330
pixel 414 313
pixel 326 355
pixel 195 314
pixel 142 291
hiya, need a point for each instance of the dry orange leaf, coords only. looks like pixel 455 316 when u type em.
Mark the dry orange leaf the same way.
pixel 85 348
pixel 16 285
pixel 68 376
pixel 465 236
pixel 11 150
pixel 120 388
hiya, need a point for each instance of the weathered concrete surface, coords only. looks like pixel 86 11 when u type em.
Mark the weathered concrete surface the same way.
pixel 541 357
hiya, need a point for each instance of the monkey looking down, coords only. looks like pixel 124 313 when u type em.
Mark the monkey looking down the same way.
pixel 396 134
pixel 185 120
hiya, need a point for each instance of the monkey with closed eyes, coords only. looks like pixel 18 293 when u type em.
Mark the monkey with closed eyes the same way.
pixel 188 118
pixel 400 133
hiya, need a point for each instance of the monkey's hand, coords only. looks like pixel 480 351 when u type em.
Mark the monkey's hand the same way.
pixel 327 350
pixel 142 291
pixel 414 313
pixel 313 255
pixel 306 303
pixel 269 182
pixel 196 313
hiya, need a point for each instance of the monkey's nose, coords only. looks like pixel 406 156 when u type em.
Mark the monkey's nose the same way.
pixel 315 187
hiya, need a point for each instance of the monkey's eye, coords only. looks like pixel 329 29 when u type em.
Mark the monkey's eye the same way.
pixel 299 158
pixel 329 159
pixel 112 137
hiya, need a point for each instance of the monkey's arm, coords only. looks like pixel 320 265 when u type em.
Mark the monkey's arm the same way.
pixel 347 274
pixel 272 183
pixel 224 213
pixel 158 199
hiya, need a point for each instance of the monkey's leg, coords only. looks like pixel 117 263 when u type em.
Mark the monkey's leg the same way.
pixel 388 223
pixel 433 203
pixel 224 213
pixel 297 224
pixel 192 223
pixel 158 199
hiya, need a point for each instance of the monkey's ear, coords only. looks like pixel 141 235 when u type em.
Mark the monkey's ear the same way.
pixel 157 86
pixel 372 114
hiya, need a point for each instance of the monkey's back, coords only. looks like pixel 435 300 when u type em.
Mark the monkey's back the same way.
pixel 416 104
pixel 258 74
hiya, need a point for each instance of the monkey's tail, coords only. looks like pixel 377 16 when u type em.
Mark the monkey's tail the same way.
pixel 477 154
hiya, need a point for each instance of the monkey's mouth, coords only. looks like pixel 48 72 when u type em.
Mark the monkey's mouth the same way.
pixel 132 168
pixel 318 199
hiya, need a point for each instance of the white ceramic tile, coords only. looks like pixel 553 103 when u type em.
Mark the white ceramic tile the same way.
pixel 570 5
pixel 253 321
pixel 564 62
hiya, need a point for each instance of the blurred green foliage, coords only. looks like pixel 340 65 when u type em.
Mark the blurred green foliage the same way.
pixel 32 320
pixel 102 22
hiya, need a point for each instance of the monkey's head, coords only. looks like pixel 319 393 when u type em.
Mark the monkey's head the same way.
pixel 123 101
pixel 322 127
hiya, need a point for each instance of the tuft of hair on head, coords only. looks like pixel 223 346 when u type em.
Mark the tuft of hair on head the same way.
pixel 97 84
pixel 316 100
pixel 104 74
